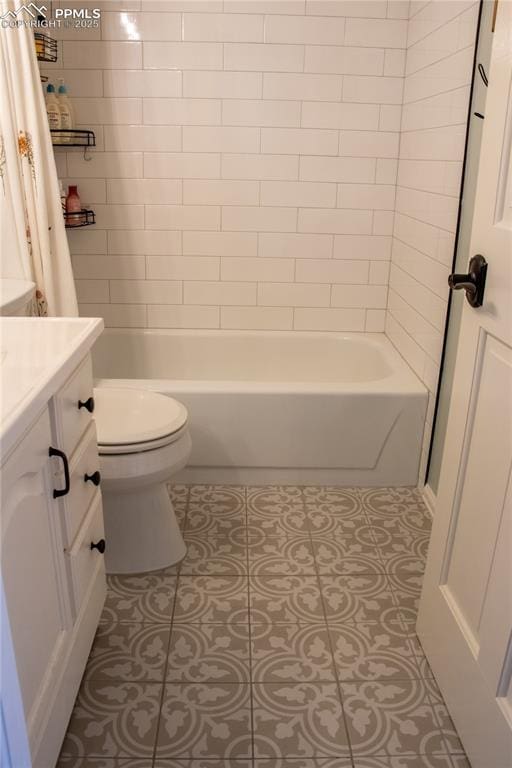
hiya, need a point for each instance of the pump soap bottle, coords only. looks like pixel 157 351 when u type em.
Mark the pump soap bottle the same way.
pixel 52 108
pixel 66 113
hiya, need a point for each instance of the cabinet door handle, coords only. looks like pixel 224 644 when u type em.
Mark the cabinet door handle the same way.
pixel 95 478
pixel 61 455
pixel 87 404
pixel 99 545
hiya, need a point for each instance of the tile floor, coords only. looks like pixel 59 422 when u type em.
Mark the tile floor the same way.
pixel 285 639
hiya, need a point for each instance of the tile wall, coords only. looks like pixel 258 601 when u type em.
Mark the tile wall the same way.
pixel 246 164
pixel 440 48
pixel 272 164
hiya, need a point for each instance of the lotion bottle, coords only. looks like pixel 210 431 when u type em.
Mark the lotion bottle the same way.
pixel 52 107
pixel 66 112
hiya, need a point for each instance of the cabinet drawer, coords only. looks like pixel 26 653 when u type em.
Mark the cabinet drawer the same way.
pixel 85 462
pixel 72 420
pixel 84 561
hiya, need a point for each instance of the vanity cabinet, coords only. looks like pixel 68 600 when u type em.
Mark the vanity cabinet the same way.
pixel 53 580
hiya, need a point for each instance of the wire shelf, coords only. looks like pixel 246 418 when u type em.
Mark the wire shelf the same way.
pixel 46 47
pixel 63 137
pixel 83 218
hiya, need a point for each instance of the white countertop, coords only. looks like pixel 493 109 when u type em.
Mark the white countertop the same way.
pixel 14 294
pixel 37 355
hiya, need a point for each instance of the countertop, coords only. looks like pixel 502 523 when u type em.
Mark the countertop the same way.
pixel 37 355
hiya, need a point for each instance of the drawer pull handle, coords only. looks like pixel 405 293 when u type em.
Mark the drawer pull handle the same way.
pixel 87 404
pixel 99 545
pixel 95 478
pixel 61 455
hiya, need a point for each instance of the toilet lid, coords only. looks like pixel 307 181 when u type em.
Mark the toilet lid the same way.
pixel 128 416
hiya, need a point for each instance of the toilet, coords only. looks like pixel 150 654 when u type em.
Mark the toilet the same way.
pixel 143 440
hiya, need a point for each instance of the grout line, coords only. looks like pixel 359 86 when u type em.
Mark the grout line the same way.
pixel 331 649
pixel 166 666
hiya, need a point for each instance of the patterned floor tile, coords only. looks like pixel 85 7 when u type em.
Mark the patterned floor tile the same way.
pixel 412 761
pixel 203 522
pixel 219 499
pixel 403 552
pixel 285 599
pixel 391 501
pixel 290 653
pixel 369 652
pixel 206 763
pixel 114 720
pixel 421 661
pixel 406 588
pixel 397 509
pixel 213 556
pixel 356 599
pixel 345 501
pixel 142 598
pixel 276 510
pixel 328 520
pixel 347 555
pixel 209 653
pixel 134 652
pixel 393 718
pixel 305 762
pixel 451 738
pixel 102 762
pixel 267 496
pixel 298 720
pixel 368 546
pixel 385 528
pixel 205 720
pixel 179 499
pixel 212 600
pixel 281 556
pixel 215 510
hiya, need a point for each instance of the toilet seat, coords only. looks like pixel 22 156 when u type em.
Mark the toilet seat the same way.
pixel 135 420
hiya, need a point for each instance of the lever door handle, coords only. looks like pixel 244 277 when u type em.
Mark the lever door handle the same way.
pixel 473 283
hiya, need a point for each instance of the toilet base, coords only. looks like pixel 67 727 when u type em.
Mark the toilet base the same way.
pixel 141 530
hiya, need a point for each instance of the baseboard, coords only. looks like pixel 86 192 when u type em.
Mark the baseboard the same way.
pixel 429 498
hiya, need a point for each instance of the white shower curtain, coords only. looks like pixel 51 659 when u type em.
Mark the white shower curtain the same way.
pixel 33 242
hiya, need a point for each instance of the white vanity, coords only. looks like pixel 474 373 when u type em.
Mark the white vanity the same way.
pixel 51 525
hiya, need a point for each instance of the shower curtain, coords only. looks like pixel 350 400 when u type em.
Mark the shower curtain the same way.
pixel 33 242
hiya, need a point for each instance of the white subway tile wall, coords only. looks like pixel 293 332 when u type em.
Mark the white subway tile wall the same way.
pixel 438 65
pixel 246 163
pixel 272 164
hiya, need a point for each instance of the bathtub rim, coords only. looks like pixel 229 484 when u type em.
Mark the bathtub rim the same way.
pixel 402 379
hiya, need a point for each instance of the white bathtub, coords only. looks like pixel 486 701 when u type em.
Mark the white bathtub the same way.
pixel 269 407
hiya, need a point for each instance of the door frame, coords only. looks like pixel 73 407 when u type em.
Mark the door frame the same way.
pixel 460 212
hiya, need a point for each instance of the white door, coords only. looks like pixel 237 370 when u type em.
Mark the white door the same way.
pixel 465 618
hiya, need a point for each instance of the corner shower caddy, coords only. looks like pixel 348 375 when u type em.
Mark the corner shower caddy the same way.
pixel 47 50
pixel 46 47
pixel 76 137
pixel 65 137
pixel 77 219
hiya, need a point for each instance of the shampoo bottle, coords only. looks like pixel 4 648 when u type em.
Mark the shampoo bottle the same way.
pixel 66 112
pixel 52 107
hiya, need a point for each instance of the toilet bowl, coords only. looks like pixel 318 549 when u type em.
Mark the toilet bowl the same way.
pixel 143 440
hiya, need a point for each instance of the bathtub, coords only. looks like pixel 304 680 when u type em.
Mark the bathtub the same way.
pixel 280 407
